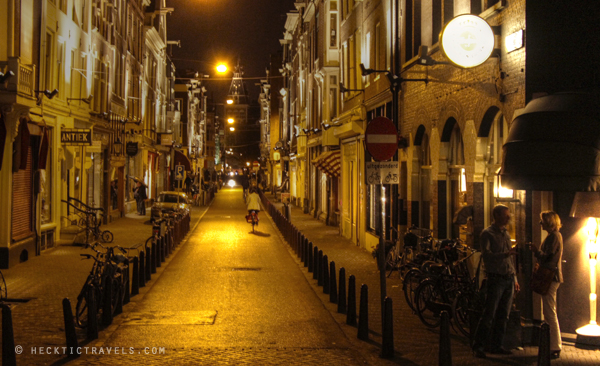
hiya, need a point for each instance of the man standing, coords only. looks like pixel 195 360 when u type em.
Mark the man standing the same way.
pixel 497 252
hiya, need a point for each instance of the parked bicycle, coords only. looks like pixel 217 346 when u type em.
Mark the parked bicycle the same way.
pixel 108 266
pixel 444 282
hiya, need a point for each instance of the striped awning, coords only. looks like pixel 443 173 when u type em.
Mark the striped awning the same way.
pixel 329 163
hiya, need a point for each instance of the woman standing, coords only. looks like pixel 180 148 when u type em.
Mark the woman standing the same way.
pixel 549 255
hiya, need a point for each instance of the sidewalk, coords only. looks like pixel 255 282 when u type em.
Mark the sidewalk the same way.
pixel 58 273
pixel 414 343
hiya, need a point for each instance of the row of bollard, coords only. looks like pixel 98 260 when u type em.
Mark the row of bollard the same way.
pixel 334 285
pixel 144 265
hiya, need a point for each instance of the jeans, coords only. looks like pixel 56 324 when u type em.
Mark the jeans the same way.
pixel 492 325
pixel 549 303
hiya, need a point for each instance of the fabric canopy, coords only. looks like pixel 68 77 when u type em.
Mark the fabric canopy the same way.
pixel 329 163
pixel 181 159
pixel 555 145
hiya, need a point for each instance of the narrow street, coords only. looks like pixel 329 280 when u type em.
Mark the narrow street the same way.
pixel 229 297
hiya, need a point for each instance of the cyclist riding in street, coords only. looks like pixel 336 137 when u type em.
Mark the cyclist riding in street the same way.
pixel 253 203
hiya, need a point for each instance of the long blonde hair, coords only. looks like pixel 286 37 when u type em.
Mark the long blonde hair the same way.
pixel 551 219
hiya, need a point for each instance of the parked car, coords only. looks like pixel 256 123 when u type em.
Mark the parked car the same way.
pixel 169 201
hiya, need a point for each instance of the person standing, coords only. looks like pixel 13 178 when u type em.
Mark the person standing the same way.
pixel 139 193
pixel 497 253
pixel 549 255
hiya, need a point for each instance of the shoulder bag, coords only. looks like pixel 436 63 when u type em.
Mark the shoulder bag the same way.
pixel 541 279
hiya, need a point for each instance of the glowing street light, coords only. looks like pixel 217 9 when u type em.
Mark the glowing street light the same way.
pixel 231 129
pixel 230 120
pixel 229 101
pixel 221 68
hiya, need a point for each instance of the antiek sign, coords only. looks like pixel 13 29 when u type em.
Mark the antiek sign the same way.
pixel 78 137
pixel 131 148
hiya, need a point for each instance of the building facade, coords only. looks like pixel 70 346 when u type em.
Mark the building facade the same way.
pixel 348 62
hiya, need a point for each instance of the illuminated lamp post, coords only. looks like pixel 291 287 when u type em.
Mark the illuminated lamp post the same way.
pixel 587 205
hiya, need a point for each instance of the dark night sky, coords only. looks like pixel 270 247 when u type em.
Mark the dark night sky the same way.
pixel 215 30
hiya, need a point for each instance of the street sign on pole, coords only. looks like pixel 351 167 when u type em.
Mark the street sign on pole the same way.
pixel 381 138
pixel 179 171
pixel 382 172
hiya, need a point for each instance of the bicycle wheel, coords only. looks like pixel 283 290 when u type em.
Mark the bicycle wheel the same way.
pixel 81 314
pixel 3 289
pixel 428 302
pixel 117 292
pixel 409 286
pixel 391 262
pixel 461 310
pixel 107 236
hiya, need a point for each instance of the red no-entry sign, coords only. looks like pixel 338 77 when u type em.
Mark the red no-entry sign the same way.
pixel 382 138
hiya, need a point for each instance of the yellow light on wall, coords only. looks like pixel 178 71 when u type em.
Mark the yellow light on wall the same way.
pixel 467 40
pixel 463 180
pixel 229 101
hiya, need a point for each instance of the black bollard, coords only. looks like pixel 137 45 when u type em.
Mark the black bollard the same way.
pixel 126 295
pixel 159 256
pixel 92 314
pixel 544 347
pixel 363 316
pixel 342 295
pixel 70 332
pixel 107 315
pixel 315 262
pixel 153 256
pixel 142 280
pixel 445 351
pixel 119 305
pixel 300 244
pixel 319 268
pixel 325 274
pixel 351 313
pixel 310 257
pixel 135 280
pixel 9 356
pixel 305 251
pixel 148 263
pixel 387 342
pixel 332 283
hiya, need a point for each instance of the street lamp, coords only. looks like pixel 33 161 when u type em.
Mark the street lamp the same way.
pixel 230 120
pixel 587 205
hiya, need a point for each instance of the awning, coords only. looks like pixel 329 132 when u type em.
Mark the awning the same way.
pixel 555 145
pixel 181 159
pixel 329 162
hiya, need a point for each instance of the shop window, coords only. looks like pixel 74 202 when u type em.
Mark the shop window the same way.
pixel 424 179
pixel 46 186
pixel 333 30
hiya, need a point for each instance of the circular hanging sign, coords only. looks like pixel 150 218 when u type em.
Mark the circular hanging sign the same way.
pixel 467 40
pixel 381 138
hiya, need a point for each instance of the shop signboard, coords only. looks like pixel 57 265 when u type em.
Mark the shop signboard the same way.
pixel 131 148
pixel 76 137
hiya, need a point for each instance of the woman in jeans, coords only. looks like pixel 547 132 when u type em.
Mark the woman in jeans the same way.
pixel 549 255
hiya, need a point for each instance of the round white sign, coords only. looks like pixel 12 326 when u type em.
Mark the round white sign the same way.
pixel 467 40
